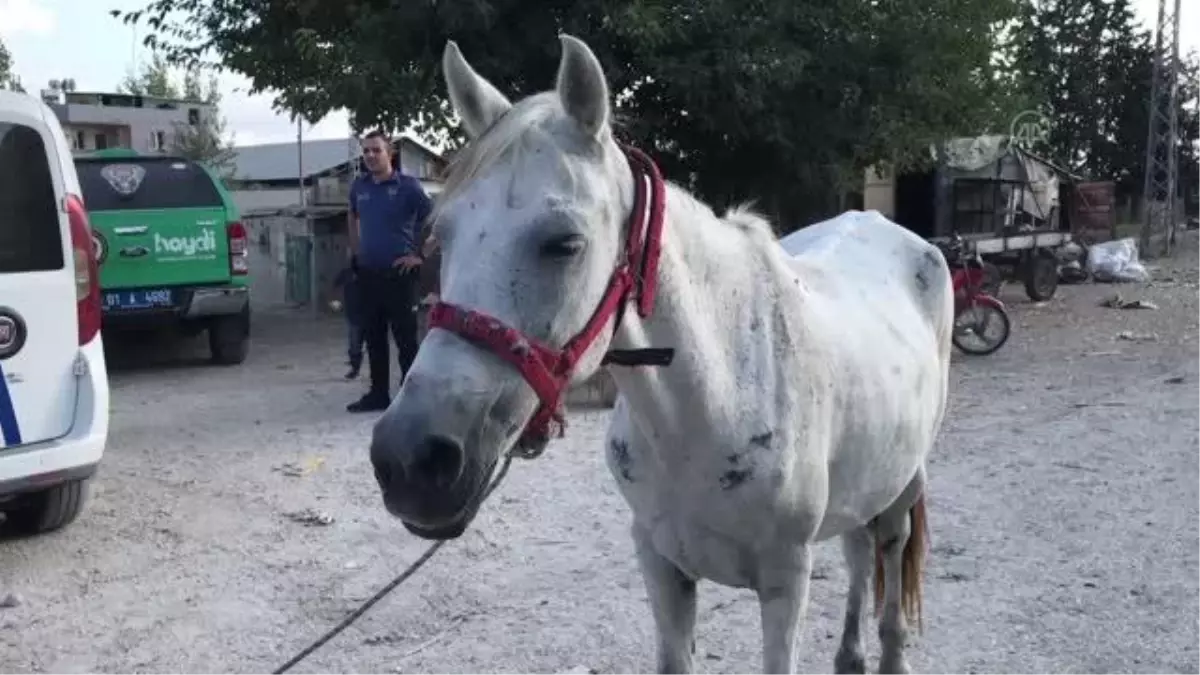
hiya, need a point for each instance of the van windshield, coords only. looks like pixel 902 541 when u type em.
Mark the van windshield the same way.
pixel 138 183
pixel 30 236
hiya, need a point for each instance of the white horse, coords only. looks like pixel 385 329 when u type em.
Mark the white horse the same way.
pixel 805 392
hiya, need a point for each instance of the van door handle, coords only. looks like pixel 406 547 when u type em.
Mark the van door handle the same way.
pixel 130 229
pixel 134 251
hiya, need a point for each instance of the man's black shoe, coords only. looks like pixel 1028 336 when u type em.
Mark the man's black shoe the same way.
pixel 369 403
pixel 352 374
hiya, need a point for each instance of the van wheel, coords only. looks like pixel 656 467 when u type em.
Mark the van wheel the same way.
pixel 49 509
pixel 229 338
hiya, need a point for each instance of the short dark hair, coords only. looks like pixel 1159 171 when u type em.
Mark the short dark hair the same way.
pixel 378 133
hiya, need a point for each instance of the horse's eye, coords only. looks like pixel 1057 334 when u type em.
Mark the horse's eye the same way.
pixel 564 247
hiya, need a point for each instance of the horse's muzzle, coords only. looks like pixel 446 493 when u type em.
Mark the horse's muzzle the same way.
pixel 439 533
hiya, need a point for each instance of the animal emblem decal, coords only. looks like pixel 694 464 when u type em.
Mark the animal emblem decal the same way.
pixel 124 179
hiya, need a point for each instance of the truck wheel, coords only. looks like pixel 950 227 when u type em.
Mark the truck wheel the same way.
pixel 229 338
pixel 1041 276
pixel 49 509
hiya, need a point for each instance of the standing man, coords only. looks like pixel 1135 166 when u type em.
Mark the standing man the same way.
pixel 387 211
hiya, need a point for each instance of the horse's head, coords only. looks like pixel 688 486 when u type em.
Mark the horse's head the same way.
pixel 531 224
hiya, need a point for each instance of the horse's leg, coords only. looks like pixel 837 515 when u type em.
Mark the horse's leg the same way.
pixel 893 529
pixel 858 549
pixel 783 599
pixel 673 602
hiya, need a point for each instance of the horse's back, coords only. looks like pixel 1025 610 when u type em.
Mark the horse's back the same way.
pixel 862 252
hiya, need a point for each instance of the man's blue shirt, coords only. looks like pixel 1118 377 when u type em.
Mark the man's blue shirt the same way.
pixel 390 214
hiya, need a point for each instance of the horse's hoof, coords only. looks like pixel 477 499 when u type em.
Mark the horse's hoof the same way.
pixel 849 662
pixel 894 667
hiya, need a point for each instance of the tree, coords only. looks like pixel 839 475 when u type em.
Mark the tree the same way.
pixel 1091 68
pixel 205 141
pixel 154 79
pixel 8 79
pixel 783 100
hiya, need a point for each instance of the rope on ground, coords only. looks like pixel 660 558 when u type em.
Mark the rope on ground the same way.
pixel 383 592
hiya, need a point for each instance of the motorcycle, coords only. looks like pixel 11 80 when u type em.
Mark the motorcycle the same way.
pixel 981 323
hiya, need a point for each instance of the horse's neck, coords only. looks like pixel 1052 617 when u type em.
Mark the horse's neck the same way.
pixel 710 274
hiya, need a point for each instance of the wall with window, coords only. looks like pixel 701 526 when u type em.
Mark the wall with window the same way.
pixel 88 137
pixel 97 127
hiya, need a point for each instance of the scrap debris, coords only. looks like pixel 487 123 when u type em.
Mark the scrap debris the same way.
pixel 310 517
pixel 1117 302
pixel 300 469
pixel 1137 337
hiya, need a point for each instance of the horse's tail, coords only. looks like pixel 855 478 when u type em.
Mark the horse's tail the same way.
pixel 912 566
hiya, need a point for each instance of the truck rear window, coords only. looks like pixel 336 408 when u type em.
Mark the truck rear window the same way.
pixel 30 240
pixel 145 183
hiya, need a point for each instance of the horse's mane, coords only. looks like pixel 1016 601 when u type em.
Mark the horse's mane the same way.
pixel 517 127
pixel 744 217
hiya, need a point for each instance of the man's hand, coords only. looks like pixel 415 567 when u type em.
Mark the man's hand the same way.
pixel 407 263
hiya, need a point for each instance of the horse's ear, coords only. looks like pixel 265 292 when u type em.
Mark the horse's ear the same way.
pixel 476 101
pixel 582 86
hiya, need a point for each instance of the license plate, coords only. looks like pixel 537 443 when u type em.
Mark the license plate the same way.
pixel 154 298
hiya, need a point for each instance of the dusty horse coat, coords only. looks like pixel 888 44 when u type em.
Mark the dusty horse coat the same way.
pixel 822 353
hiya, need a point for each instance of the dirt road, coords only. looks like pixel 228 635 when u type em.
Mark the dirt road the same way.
pixel 1064 506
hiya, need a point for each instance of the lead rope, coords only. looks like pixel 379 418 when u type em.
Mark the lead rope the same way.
pixel 383 592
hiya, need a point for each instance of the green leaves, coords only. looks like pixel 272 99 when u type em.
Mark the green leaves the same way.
pixel 783 101
pixel 8 79
pixel 205 141
pixel 1088 64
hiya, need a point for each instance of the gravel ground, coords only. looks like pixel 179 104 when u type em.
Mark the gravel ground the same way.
pixel 1063 508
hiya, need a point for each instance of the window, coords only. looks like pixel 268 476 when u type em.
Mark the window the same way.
pixel 158 141
pixel 79 141
pixel 166 183
pixel 101 140
pixel 30 239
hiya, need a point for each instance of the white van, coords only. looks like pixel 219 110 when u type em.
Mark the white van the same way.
pixel 53 381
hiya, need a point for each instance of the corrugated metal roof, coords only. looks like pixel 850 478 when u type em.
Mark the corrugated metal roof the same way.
pixel 279 161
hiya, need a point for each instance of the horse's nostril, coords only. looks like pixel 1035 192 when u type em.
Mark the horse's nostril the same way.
pixel 438 460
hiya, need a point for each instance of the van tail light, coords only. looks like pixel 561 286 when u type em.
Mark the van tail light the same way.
pixel 239 249
pixel 87 276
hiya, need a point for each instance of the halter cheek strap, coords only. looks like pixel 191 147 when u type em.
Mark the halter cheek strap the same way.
pixel 547 370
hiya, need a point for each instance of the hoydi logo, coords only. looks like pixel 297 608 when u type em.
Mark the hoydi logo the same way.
pixel 205 242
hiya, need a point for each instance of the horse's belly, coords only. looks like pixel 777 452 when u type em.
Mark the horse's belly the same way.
pixel 708 535
pixel 702 552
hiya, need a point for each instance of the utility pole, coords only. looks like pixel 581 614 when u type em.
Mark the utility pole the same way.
pixel 1160 185
pixel 300 160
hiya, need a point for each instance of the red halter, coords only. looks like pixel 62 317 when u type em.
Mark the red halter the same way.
pixel 548 370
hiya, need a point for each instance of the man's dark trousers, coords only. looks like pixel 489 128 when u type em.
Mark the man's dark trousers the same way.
pixel 388 300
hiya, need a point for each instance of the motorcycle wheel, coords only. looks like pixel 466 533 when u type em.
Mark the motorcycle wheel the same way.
pixel 981 329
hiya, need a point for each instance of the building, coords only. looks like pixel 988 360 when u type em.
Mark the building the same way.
pixel 97 121
pixel 269 177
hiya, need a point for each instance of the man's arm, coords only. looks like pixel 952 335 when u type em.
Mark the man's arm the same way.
pixel 352 224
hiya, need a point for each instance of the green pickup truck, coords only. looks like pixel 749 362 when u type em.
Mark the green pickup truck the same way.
pixel 171 247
